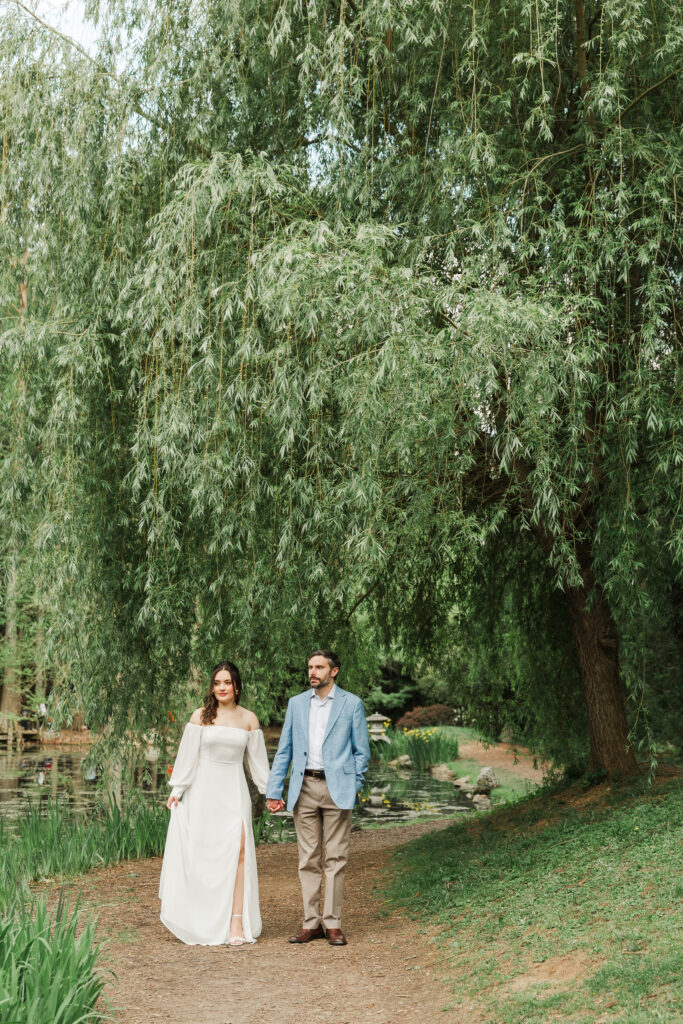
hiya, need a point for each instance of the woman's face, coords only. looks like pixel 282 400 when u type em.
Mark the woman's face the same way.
pixel 223 687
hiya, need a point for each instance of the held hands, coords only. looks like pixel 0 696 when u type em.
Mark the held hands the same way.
pixel 273 805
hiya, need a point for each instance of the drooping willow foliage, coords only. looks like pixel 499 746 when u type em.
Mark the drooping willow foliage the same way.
pixel 299 301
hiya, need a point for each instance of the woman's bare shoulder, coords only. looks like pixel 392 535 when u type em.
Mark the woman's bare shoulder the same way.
pixel 250 719
pixel 196 718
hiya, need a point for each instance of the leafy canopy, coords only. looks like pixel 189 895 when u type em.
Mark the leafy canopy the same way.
pixel 316 296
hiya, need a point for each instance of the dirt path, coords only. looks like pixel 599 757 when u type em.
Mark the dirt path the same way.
pixel 388 974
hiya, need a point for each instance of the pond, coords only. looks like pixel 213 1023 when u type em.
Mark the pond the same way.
pixel 48 773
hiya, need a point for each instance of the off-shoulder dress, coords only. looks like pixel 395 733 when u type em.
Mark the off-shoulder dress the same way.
pixel 204 834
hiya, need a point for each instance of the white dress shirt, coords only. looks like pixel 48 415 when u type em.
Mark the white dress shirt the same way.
pixel 318 718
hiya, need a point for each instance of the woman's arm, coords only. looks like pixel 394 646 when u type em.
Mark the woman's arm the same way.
pixel 257 759
pixel 185 766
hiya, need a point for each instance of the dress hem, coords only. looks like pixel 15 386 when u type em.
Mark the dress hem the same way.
pixel 189 940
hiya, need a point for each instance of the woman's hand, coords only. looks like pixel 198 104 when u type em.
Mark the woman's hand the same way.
pixel 172 802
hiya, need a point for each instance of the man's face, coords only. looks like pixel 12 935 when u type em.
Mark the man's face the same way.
pixel 320 672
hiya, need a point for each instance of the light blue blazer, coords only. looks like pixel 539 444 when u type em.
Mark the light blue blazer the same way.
pixel 346 749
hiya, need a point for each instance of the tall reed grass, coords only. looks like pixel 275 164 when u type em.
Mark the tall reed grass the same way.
pixel 53 842
pixel 48 967
pixel 424 747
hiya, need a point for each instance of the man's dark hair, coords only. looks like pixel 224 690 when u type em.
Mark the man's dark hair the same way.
pixel 328 655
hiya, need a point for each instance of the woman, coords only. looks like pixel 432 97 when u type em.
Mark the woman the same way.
pixel 208 886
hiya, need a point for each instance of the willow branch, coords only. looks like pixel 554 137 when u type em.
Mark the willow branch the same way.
pixel 362 598
pixel 650 89
pixel 373 586
pixel 62 35
pixel 84 53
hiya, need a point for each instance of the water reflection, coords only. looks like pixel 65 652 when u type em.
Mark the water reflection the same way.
pixel 43 774
pixel 390 796
pixel 48 773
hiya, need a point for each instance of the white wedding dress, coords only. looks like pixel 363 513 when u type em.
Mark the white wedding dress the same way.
pixel 204 833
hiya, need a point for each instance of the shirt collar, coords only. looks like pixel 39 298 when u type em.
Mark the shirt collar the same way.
pixel 330 695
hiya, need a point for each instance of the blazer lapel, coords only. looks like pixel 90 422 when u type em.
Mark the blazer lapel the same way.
pixel 337 703
pixel 304 709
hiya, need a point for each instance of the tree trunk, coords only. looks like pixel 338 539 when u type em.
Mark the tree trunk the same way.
pixel 598 653
pixel 10 694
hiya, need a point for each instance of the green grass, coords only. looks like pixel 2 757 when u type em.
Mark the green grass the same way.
pixel 461 733
pixel 48 967
pixel 54 842
pixel 48 972
pixel 511 788
pixel 270 829
pixel 590 878
pixel 48 962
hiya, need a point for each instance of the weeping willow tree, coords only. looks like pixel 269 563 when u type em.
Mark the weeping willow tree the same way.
pixel 301 300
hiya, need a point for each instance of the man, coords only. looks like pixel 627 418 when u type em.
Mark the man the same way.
pixel 325 738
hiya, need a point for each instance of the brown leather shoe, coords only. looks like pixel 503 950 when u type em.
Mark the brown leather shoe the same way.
pixel 335 937
pixel 308 934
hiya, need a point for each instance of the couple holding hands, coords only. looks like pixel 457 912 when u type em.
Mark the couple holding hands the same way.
pixel 209 885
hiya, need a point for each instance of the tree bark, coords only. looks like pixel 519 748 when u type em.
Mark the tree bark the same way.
pixel 598 653
pixel 10 694
pixel 582 61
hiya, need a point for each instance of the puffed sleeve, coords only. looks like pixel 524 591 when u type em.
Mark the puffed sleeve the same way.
pixel 185 766
pixel 257 759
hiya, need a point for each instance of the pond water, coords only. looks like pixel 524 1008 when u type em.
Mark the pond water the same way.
pixel 48 773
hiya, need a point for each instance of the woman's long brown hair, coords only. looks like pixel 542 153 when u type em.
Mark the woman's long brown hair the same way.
pixel 210 709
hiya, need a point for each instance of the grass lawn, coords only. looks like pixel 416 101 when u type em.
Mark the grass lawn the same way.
pixel 462 733
pixel 511 788
pixel 561 907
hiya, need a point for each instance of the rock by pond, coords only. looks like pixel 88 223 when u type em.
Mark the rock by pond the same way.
pixel 402 761
pixel 486 781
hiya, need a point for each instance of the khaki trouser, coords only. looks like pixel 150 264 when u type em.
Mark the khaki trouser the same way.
pixel 317 816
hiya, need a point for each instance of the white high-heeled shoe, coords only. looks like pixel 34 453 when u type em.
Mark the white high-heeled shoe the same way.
pixel 237 940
